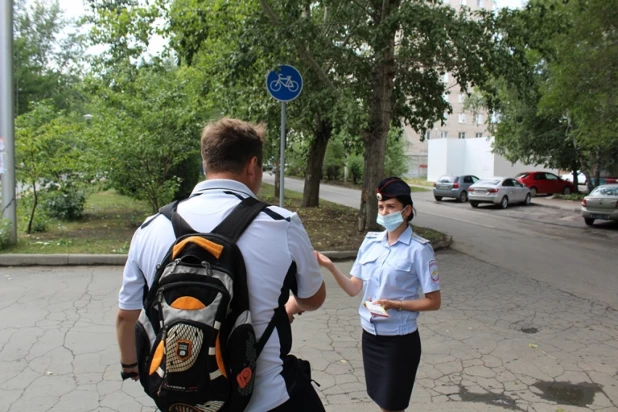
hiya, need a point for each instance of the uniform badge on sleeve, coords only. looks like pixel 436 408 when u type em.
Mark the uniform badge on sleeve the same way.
pixel 433 271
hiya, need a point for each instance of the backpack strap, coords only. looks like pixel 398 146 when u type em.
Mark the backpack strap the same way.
pixel 181 227
pixel 280 316
pixel 240 218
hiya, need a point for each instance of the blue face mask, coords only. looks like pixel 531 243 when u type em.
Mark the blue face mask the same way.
pixel 390 221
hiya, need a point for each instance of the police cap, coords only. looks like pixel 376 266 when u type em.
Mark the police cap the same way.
pixel 392 187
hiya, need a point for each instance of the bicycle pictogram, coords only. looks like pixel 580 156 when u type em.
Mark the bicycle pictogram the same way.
pixel 285 81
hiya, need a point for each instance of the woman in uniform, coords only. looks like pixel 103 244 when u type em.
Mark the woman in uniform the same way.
pixel 394 269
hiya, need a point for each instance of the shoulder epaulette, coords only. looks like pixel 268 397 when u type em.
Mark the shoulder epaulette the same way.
pixel 372 235
pixel 419 239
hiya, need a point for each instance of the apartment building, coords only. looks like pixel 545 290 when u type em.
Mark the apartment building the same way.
pixel 461 124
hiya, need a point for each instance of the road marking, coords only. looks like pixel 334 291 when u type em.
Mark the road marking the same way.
pixel 460 220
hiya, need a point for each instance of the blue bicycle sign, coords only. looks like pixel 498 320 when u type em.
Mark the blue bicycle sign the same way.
pixel 284 83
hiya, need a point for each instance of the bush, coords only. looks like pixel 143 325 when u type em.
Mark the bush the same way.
pixel 356 166
pixel 396 162
pixel 65 204
pixel 40 223
pixel 333 172
pixel 5 233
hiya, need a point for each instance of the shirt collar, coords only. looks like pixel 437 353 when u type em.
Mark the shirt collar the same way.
pixel 223 184
pixel 405 237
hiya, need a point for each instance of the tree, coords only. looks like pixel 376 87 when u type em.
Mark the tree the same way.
pixel 237 45
pixel 48 151
pixel 146 130
pixel 556 95
pixel 382 59
pixel 389 56
pixel 47 63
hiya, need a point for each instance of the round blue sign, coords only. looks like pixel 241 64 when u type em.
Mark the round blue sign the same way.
pixel 284 83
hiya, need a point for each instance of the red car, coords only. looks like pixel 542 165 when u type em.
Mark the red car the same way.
pixel 545 182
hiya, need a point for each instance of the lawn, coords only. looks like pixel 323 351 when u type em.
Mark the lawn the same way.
pixel 110 220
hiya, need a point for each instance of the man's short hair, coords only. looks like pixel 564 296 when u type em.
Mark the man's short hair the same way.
pixel 228 144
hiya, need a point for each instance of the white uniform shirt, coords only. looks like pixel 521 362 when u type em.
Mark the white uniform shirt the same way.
pixel 268 246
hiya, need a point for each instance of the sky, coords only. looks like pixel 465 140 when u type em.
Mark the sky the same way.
pixel 76 8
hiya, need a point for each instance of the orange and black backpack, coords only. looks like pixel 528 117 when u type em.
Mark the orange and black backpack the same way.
pixel 196 346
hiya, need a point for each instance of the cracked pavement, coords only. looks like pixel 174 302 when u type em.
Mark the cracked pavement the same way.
pixel 501 341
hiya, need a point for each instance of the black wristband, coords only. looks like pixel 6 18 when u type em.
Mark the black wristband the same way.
pixel 125 366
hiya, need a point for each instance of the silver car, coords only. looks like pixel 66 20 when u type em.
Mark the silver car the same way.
pixel 601 203
pixel 453 186
pixel 499 191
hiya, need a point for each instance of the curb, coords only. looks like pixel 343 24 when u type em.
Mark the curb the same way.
pixel 550 206
pixel 120 260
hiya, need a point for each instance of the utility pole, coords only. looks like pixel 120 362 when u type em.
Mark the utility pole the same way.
pixel 7 130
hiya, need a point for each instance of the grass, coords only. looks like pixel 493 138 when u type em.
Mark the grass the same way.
pixel 106 228
pixel 110 220
pixel 572 196
pixel 359 186
pixel 419 181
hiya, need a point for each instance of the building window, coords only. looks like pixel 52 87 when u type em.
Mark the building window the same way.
pixel 462 98
pixel 427 134
pixel 443 135
pixel 478 119
pixel 462 117
pixel 480 3
pixel 462 135
pixel 479 135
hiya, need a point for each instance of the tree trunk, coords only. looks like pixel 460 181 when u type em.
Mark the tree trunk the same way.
pixel 380 116
pixel 277 176
pixel 575 178
pixel 315 162
pixel 35 203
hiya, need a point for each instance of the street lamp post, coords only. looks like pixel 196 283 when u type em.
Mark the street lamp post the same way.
pixel 7 139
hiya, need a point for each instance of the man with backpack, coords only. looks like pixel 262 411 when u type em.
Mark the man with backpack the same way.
pixel 210 287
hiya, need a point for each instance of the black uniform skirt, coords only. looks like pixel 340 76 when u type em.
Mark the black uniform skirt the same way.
pixel 390 368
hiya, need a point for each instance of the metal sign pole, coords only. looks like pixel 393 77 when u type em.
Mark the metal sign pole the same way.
pixel 282 156
pixel 7 141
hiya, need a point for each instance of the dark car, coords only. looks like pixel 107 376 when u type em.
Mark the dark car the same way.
pixel 453 186
pixel 545 182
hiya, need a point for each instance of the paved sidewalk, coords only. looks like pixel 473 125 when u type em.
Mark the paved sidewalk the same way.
pixel 500 342
pixel 570 205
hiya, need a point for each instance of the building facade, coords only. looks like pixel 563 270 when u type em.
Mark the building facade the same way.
pixel 461 124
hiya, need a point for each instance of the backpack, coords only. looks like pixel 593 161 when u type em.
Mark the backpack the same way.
pixel 196 347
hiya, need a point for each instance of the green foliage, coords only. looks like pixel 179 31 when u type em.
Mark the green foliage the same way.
pixel 554 89
pixel 49 151
pixel 47 56
pixel 355 168
pixel 66 203
pixel 5 233
pixel 26 221
pixel 396 163
pixel 147 134
pixel 334 160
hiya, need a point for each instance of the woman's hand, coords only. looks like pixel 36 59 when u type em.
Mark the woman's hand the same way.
pixel 323 260
pixel 388 304
pixel 291 307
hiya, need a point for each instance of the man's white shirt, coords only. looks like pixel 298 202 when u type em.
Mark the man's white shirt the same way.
pixel 269 247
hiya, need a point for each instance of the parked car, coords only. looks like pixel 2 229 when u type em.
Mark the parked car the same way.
pixel 601 203
pixel 581 178
pixel 499 191
pixel 453 186
pixel 545 182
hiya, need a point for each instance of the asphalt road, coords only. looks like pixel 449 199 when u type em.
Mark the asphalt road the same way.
pixel 553 246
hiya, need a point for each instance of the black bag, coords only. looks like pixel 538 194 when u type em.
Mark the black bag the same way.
pixel 196 347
